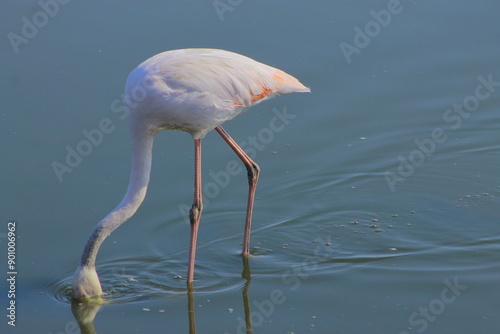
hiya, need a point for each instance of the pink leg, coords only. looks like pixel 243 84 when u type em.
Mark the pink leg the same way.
pixel 253 175
pixel 195 212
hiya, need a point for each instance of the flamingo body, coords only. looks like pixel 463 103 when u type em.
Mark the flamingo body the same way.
pixel 196 90
pixel 192 90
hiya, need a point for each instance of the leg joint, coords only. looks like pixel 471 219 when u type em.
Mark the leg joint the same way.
pixel 253 171
pixel 195 212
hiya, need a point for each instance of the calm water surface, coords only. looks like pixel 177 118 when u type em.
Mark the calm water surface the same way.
pixel 378 204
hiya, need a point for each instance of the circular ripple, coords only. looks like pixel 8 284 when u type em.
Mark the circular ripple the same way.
pixel 137 279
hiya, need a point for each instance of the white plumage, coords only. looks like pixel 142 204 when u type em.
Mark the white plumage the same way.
pixel 193 90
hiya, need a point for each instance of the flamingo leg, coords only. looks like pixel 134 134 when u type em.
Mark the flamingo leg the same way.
pixel 195 212
pixel 253 171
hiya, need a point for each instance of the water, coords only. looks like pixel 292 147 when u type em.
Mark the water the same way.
pixel 377 207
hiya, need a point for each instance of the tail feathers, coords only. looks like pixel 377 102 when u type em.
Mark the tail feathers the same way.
pixel 285 83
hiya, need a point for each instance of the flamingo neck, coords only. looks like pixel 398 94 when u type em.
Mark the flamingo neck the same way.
pixel 142 144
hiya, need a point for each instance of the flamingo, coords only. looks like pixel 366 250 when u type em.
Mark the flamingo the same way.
pixel 192 90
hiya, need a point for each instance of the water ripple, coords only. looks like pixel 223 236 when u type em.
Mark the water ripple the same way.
pixel 137 279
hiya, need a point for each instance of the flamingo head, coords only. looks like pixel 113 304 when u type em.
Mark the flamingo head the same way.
pixel 86 283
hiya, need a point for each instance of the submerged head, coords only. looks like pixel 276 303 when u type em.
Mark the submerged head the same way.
pixel 86 283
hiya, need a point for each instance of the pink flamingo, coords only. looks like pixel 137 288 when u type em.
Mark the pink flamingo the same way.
pixel 193 90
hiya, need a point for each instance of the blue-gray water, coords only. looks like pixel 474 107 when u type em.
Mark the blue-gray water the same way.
pixel 378 203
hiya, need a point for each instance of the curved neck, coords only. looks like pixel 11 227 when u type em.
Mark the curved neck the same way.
pixel 142 144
